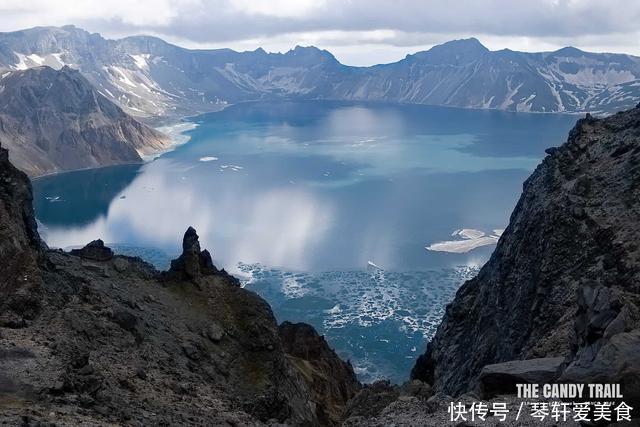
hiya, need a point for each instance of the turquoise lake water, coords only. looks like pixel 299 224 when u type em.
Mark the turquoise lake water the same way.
pixel 323 208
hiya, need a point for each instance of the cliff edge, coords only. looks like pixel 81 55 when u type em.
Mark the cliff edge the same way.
pixel 560 297
pixel 93 338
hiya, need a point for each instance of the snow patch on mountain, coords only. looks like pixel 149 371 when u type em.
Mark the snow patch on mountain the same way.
pixel 141 61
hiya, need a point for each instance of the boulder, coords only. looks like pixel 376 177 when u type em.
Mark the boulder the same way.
pixel 125 319
pixel 416 388
pixel 501 378
pixel 94 251
pixel 618 361
pixel 214 332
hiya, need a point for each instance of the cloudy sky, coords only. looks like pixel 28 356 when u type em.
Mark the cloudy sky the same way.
pixel 358 32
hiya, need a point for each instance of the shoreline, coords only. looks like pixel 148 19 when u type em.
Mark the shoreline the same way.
pixel 49 174
pixel 175 128
pixel 175 132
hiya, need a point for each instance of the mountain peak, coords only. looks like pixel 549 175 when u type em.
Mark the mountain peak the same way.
pixel 301 49
pixel 455 52
pixel 569 51
pixel 311 52
pixel 470 43
pixel 67 123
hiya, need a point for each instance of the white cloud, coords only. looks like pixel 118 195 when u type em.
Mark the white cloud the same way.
pixel 278 8
pixel 359 32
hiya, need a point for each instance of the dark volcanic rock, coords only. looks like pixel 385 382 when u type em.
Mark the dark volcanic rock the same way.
pixel 617 361
pixel 332 381
pixel 95 251
pixel 564 280
pixel 21 251
pixel 372 400
pixel 501 378
pixel 125 319
pixel 192 263
pixel 107 340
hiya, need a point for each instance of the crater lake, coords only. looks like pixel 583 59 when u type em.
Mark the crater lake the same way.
pixel 360 219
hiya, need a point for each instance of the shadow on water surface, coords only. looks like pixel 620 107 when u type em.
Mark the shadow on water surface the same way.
pixel 80 197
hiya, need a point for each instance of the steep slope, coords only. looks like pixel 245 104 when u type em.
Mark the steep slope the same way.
pixel 92 338
pixel 332 381
pixel 148 77
pixel 21 250
pixel 563 285
pixel 55 120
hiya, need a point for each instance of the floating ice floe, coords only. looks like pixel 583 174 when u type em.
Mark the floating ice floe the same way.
pixel 234 168
pixel 334 310
pixel 371 264
pixel 208 159
pixel 469 239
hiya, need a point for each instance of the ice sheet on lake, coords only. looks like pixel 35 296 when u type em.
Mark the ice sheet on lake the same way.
pixel 469 239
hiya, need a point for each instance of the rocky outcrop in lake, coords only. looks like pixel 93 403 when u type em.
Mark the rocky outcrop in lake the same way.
pixel 94 338
pixel 55 120
pixel 559 300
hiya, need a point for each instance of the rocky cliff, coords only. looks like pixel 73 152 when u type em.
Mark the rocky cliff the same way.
pixel 333 382
pixel 55 120
pixel 560 297
pixel 93 338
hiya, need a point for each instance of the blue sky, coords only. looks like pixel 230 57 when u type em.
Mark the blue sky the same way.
pixel 358 32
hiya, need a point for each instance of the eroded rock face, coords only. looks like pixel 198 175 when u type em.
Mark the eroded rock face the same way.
pixel 193 263
pixel 55 120
pixel 20 247
pixel 564 280
pixel 332 381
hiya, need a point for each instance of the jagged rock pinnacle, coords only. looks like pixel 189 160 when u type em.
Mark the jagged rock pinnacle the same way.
pixel 193 263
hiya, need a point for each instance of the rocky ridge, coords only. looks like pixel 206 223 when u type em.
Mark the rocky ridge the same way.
pixel 559 300
pixel 150 77
pixel 94 338
pixel 53 121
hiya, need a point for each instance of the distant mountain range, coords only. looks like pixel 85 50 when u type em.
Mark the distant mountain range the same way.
pixel 55 120
pixel 150 77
